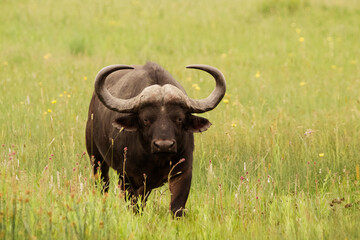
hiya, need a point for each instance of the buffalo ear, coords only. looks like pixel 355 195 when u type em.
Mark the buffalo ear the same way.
pixel 197 124
pixel 128 123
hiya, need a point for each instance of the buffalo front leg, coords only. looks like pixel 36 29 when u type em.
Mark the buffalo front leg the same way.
pixel 179 188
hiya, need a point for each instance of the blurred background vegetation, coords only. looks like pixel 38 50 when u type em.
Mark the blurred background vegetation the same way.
pixel 284 141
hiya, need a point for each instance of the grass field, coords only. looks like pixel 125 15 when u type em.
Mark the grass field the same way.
pixel 281 161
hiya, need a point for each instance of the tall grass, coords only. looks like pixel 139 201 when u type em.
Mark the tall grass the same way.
pixel 281 160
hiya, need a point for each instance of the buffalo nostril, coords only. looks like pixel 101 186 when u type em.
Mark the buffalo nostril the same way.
pixel 170 144
pixel 157 145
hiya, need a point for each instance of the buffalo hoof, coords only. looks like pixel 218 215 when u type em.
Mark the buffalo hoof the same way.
pixel 179 213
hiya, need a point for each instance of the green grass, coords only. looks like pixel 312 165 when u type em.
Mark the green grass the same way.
pixel 284 145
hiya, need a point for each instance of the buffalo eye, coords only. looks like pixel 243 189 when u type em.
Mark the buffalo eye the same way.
pixel 179 121
pixel 146 122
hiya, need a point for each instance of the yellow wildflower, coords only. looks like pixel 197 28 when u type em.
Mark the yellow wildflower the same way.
pixel 226 101
pixel 49 110
pixel 44 113
pixel 85 78
pixel 53 101
pixel 47 56
pixel 114 23
pixel 60 95
pixel 196 86
pixel 233 125
pixel 301 39
pixel 257 74
pixel 321 154
pixel 68 95
pixel 301 84
pixel 333 67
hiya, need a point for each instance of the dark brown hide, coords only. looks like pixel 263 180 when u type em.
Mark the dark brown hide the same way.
pixel 157 133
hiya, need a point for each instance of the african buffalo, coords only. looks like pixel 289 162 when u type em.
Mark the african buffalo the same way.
pixel 140 124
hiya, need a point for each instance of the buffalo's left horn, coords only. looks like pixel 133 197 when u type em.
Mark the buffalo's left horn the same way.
pixel 111 102
pixel 209 103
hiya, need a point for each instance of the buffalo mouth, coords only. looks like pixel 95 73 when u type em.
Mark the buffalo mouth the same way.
pixel 163 146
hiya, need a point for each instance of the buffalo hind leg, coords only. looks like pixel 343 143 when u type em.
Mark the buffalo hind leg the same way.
pixel 180 188
pixel 100 169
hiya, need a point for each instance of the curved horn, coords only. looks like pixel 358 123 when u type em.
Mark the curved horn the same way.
pixel 111 102
pixel 209 103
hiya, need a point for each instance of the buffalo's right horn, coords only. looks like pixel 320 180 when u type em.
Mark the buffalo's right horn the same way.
pixel 111 102
pixel 209 103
